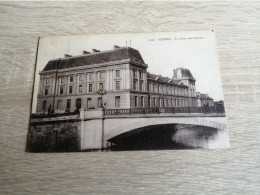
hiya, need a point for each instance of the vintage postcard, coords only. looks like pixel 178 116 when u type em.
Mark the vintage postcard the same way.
pixel 121 92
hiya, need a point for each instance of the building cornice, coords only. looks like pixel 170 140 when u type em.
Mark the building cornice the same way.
pixel 100 65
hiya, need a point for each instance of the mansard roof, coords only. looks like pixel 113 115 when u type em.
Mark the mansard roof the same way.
pixel 161 79
pixel 120 53
pixel 152 76
pixel 185 73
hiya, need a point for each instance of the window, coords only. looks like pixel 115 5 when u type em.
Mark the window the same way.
pixel 90 87
pixel 44 104
pixel 140 74
pixel 134 72
pixel 154 101
pixel 62 79
pixel 135 85
pixel 101 85
pixel 47 81
pixel 136 101
pixel 89 103
pixel 117 73
pixel 59 104
pixel 163 105
pixel 70 89
pixel 102 75
pixel 158 89
pixel 117 85
pixel 149 102
pixel 61 90
pixel 80 77
pixel 68 104
pixel 46 91
pixel 71 79
pixel 148 87
pixel 117 101
pixel 80 88
pixel 158 102
pixel 78 103
pixel 90 76
pixel 141 86
pixel 99 102
pixel 142 101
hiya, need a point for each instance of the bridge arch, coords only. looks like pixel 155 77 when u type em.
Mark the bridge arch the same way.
pixel 117 126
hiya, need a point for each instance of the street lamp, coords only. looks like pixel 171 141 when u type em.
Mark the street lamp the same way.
pixel 102 92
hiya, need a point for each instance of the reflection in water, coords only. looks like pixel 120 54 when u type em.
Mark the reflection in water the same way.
pixel 169 136
pixel 200 136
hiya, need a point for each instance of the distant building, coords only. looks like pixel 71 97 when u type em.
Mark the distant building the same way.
pixel 204 100
pixel 72 82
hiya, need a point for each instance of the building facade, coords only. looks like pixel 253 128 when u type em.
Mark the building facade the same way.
pixel 72 82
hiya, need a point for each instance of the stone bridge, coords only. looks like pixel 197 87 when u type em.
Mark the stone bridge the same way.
pixel 97 129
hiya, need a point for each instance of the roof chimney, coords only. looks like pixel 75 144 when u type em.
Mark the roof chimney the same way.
pixel 116 47
pixel 86 52
pixel 67 55
pixel 95 50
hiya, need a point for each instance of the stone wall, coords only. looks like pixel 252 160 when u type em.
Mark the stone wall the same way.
pixel 54 136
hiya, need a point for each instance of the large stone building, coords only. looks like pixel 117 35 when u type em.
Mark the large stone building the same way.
pixel 72 82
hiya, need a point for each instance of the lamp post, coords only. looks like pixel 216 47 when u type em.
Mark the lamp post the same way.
pixel 102 92
pixel 56 76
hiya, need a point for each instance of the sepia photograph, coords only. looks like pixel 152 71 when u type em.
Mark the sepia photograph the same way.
pixel 127 92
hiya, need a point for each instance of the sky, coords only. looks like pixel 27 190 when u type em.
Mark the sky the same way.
pixel 162 52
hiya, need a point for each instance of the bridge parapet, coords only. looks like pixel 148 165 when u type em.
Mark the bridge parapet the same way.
pixel 91 113
pixel 130 111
